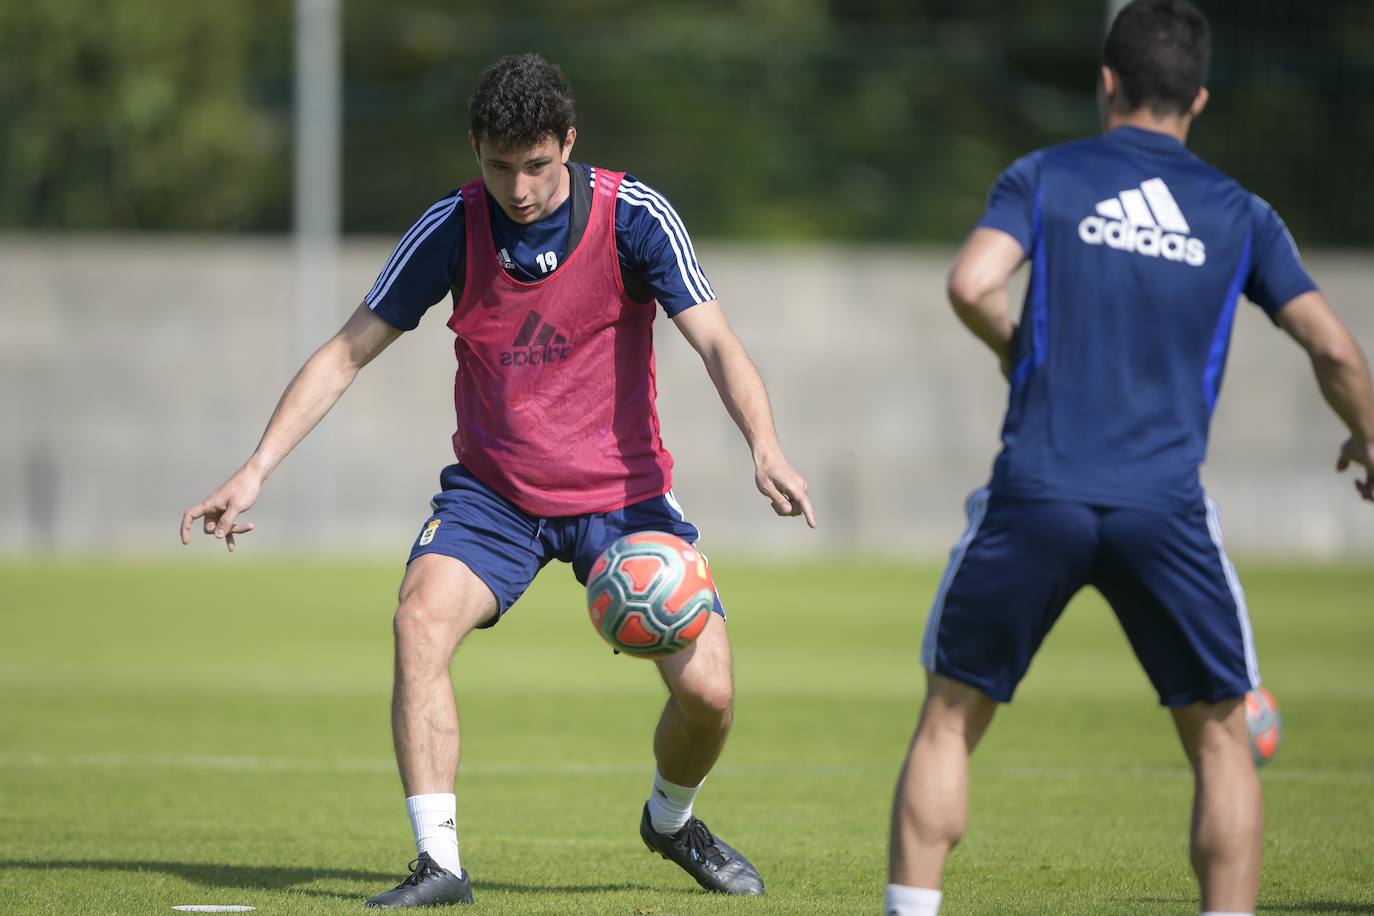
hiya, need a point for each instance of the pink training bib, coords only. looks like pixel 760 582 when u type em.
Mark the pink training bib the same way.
pixel 555 384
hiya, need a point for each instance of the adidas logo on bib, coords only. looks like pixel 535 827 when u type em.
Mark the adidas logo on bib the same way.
pixel 530 349
pixel 1145 220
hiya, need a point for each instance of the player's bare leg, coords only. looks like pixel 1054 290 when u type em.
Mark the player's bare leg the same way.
pixel 687 743
pixel 441 601
pixel 696 719
pixel 1227 838
pixel 931 805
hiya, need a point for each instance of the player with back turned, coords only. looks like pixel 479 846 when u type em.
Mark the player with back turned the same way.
pixel 1139 252
pixel 553 268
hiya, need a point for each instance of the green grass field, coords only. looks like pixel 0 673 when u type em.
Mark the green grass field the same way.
pixel 215 731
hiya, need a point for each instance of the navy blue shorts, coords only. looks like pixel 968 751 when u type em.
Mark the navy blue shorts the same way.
pixel 1165 575
pixel 506 547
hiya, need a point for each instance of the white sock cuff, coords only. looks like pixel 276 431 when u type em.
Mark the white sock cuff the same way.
pixel 670 805
pixel 901 900
pixel 674 791
pixel 425 802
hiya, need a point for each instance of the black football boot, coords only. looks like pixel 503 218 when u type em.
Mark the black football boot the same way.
pixel 714 863
pixel 428 885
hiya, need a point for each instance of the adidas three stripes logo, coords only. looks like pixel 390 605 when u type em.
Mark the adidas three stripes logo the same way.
pixel 536 342
pixel 548 333
pixel 1144 220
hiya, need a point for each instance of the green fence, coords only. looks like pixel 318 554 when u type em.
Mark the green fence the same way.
pixel 766 119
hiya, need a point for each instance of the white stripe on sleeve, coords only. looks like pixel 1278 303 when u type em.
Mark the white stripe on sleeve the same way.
pixel 640 195
pixel 434 217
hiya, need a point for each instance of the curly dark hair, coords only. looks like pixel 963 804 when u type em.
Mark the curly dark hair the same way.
pixel 519 101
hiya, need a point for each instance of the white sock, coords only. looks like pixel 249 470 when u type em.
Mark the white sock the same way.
pixel 900 900
pixel 434 820
pixel 670 805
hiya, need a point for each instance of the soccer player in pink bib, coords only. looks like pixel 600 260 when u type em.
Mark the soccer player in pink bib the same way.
pixel 554 269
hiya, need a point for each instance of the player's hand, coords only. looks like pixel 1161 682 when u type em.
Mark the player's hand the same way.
pixel 785 489
pixel 1361 453
pixel 221 509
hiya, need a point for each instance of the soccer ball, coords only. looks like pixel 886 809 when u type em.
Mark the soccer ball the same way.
pixel 650 594
pixel 1262 715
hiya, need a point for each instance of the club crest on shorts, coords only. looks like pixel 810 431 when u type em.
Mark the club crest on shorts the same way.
pixel 428 534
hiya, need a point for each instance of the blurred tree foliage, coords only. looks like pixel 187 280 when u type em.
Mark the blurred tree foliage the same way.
pixel 776 119
pixel 768 118
pixel 144 114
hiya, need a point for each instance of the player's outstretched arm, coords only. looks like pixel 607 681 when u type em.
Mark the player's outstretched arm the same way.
pixel 741 389
pixel 310 395
pixel 977 289
pixel 1343 375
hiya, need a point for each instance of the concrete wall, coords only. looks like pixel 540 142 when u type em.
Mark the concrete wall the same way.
pixel 135 374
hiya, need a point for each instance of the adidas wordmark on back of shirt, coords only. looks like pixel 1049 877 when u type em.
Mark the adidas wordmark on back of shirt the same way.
pixel 1128 315
pixel 1146 220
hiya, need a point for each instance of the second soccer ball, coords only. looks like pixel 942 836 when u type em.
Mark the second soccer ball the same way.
pixel 1262 715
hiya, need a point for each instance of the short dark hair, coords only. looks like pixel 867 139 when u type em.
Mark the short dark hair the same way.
pixel 519 101
pixel 1159 50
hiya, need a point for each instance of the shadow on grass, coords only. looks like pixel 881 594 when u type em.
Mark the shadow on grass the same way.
pixel 209 874
pixel 1317 906
pixel 478 885
pixel 279 878
pixel 1311 906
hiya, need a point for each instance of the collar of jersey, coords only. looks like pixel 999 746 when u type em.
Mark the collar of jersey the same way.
pixel 1144 137
pixel 564 209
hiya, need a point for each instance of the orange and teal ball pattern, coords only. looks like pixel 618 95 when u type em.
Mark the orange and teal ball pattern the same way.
pixel 650 594
pixel 1262 715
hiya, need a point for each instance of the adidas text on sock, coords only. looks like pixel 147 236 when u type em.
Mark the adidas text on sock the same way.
pixel 434 820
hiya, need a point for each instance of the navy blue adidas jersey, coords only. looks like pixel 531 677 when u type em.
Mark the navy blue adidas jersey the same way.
pixel 1138 254
pixel 651 242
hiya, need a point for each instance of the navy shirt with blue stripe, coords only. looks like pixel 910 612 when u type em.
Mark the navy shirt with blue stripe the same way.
pixel 1139 252
pixel 651 243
